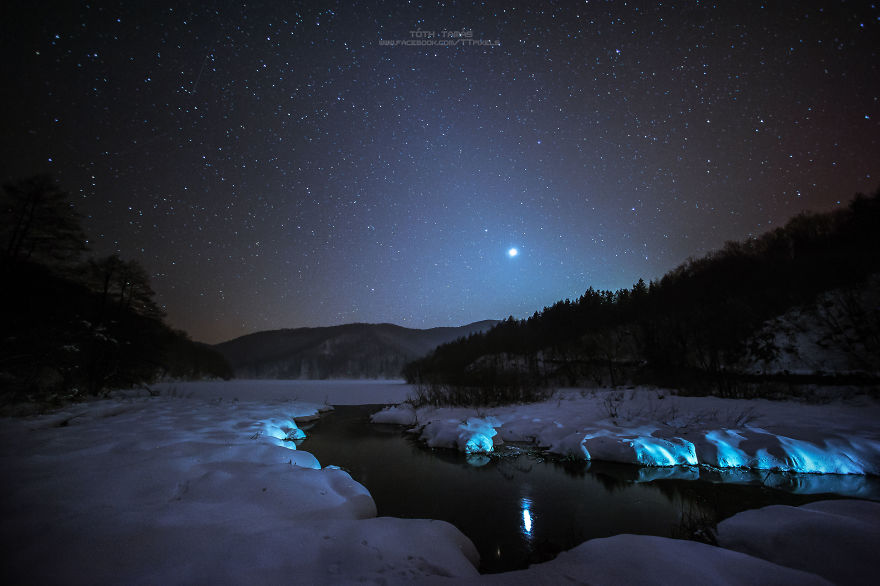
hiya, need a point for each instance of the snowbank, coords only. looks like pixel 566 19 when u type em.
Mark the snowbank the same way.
pixel 655 428
pixel 632 560
pixel 835 539
pixel 194 489
pixel 197 487
pixel 819 543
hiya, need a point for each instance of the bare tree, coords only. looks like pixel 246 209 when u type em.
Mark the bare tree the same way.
pixel 38 223
pixel 122 286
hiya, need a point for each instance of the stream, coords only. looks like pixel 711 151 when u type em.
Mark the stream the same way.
pixel 520 507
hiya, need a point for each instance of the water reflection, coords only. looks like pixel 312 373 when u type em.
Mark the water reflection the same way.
pixel 526 505
pixel 539 505
pixel 615 476
pixel 654 473
pixel 477 460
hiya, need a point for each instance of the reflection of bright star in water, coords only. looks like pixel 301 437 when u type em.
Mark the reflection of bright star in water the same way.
pixel 512 252
pixel 526 505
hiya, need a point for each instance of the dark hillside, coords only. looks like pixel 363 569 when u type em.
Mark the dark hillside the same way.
pixel 346 351
pixel 696 325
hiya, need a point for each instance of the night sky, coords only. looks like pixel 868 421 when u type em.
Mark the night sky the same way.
pixel 272 165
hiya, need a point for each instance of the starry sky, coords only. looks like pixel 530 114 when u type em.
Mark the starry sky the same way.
pixel 285 164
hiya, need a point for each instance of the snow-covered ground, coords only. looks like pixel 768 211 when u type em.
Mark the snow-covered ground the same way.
pixel 204 483
pixel 655 428
pixel 820 543
pixel 325 392
pixel 201 485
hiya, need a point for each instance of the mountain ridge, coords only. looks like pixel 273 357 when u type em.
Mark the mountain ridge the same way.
pixel 358 350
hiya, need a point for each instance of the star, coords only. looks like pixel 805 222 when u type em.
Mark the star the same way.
pixel 384 163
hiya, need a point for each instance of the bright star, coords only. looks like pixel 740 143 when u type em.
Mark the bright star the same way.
pixel 512 252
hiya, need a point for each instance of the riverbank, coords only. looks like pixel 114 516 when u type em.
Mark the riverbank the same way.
pixel 656 428
pixel 203 483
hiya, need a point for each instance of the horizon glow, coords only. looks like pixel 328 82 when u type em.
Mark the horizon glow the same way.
pixel 274 172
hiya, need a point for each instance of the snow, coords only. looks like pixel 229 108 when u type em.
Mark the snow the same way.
pixel 655 428
pixel 191 487
pixel 835 539
pixel 325 392
pixel 631 560
pixel 819 543
pixel 204 484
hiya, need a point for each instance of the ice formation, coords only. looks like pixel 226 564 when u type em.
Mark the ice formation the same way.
pixel 652 451
pixel 728 453
pixel 282 432
pixel 476 435
pixel 679 431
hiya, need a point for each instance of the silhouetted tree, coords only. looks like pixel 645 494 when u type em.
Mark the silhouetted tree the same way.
pixel 122 286
pixel 70 328
pixel 39 223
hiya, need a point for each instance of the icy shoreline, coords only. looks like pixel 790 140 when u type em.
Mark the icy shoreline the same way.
pixel 655 428
pixel 204 484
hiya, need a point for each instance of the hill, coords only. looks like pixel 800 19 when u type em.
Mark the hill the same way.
pixel 727 323
pixel 346 351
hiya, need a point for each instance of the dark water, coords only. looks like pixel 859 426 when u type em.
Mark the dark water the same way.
pixel 519 507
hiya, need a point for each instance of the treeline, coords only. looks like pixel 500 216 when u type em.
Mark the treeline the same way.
pixel 695 328
pixel 76 326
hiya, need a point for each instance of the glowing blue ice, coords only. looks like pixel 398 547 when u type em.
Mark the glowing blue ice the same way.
pixel 477 433
pixel 585 451
pixel 836 457
pixel 477 444
pixel 729 455
pixel 807 457
pixel 282 432
pixel 764 460
pixel 653 451
pixel 283 429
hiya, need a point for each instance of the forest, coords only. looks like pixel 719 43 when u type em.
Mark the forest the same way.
pixel 76 325
pixel 701 328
